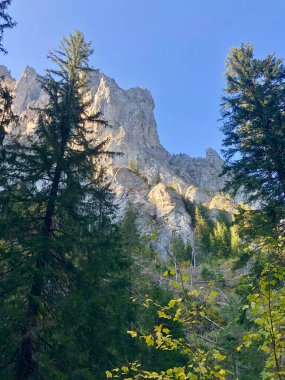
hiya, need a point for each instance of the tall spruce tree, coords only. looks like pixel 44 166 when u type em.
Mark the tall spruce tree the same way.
pixel 254 127
pixel 54 202
pixel 253 111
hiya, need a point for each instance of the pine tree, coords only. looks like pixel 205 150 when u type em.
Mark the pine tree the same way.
pixel 53 205
pixel 235 240
pixel 220 240
pixel 254 128
pixel 201 234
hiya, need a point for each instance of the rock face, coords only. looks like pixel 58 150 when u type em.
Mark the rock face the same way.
pixel 145 176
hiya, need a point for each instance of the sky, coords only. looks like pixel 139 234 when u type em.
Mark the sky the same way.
pixel 174 48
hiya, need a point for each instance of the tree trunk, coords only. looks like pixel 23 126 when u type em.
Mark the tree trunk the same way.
pixel 30 334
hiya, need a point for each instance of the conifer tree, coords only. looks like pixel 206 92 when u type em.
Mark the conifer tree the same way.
pixel 180 250
pixel 220 240
pixel 235 240
pixel 130 234
pixel 7 116
pixel 254 128
pixel 54 203
pixel 93 319
pixel 201 233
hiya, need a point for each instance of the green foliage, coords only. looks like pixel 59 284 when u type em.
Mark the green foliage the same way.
pixel 254 128
pixel 213 274
pixel 134 168
pixel 7 117
pixel 201 233
pixel 235 241
pixel 254 139
pixel 54 203
pixel 190 208
pixel 180 251
pixel 214 237
pixel 200 363
pixel 93 320
pixel 267 309
pixel 220 240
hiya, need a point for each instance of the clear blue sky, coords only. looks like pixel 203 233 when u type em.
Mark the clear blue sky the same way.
pixel 174 48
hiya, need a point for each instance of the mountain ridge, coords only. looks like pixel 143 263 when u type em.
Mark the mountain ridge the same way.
pixel 146 176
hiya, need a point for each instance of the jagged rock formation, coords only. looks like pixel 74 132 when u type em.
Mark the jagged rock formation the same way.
pixel 146 176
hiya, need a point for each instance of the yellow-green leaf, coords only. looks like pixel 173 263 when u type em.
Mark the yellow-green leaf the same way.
pixel 133 334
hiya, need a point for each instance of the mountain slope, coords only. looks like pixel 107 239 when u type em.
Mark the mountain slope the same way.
pixel 145 175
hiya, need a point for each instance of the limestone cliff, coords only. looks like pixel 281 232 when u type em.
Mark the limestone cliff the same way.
pixel 152 180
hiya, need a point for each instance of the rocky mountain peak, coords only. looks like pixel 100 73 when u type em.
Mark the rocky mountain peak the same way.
pixel 212 155
pixel 29 72
pixel 28 90
pixel 4 72
pixel 145 175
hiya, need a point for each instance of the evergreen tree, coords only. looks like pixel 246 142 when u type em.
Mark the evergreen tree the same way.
pixel 180 250
pixel 91 334
pixel 201 234
pixel 7 116
pixel 130 234
pixel 220 240
pixel 54 204
pixel 235 240
pixel 254 128
pixel 6 22
pixel 190 208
